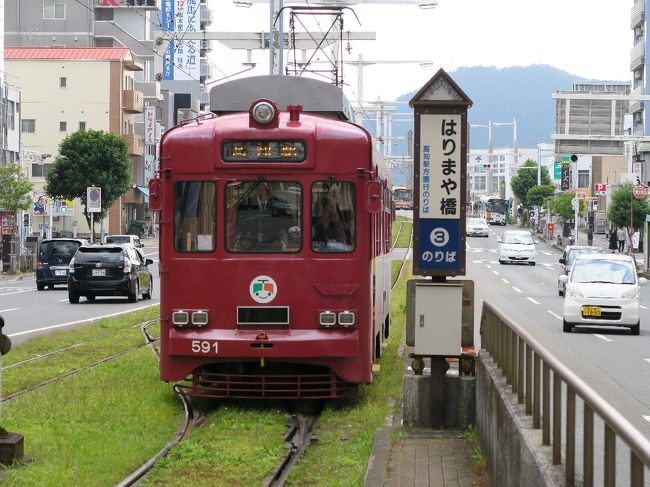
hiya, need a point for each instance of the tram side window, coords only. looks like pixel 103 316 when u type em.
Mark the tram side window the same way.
pixel 195 216
pixel 263 216
pixel 333 216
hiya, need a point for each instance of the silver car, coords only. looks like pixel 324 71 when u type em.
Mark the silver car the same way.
pixel 567 259
pixel 517 246
pixel 477 227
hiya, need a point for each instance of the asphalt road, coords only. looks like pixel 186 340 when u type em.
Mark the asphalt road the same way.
pixel 28 312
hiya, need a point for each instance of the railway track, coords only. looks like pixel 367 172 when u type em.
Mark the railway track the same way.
pixel 398 274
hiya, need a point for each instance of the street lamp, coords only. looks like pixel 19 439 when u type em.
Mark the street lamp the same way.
pixel 488 174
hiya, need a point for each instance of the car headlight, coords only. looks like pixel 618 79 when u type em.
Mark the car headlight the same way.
pixel 573 292
pixel 631 293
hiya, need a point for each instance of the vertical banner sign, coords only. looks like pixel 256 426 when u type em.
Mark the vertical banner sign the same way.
pixel 150 125
pixel 565 181
pixel 181 59
pixel 440 177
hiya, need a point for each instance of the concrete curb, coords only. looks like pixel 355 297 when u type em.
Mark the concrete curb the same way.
pixel 376 471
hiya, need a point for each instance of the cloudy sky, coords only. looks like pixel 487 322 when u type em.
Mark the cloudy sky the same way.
pixel 588 38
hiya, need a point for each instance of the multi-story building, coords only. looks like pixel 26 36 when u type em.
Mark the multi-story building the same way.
pixel 138 26
pixel 70 89
pixel 638 66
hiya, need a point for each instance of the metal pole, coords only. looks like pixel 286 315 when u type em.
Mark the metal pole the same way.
pixel 575 218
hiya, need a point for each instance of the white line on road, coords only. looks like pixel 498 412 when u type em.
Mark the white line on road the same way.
pixel 488 266
pixel 62 300
pixel 554 315
pixel 496 273
pixel 647 418
pixel 534 301
pixel 602 337
pixel 88 320
pixel 8 309
pixel 643 307
pixel 505 280
pixel 517 289
pixel 647 360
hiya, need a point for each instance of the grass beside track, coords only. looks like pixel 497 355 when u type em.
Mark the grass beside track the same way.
pixel 97 426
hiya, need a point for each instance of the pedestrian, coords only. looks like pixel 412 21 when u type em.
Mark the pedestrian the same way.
pixel 613 241
pixel 590 235
pixel 621 235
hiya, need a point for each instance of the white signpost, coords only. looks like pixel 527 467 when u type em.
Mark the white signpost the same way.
pixel 93 205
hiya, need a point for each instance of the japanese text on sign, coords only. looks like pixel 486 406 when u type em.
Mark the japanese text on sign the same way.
pixel 440 188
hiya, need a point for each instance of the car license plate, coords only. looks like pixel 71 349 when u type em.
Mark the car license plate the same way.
pixel 99 272
pixel 590 311
pixel 60 272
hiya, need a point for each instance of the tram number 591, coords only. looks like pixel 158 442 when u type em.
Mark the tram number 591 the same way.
pixel 205 346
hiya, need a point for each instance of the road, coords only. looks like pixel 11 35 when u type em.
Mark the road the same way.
pixel 612 361
pixel 28 312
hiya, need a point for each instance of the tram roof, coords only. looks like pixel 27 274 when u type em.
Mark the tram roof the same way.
pixel 315 96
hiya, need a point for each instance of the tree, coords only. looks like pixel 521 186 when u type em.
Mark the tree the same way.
pixel 526 179
pixel 15 190
pixel 537 195
pixel 90 158
pixel 563 207
pixel 619 209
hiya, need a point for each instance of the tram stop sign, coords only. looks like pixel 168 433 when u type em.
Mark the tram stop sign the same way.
pixel 440 177
pixel 640 192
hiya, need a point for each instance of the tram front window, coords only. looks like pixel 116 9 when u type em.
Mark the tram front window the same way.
pixel 194 216
pixel 332 217
pixel 263 216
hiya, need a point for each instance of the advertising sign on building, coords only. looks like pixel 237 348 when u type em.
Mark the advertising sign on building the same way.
pixel 150 125
pixel 181 59
pixel 440 177
pixel 41 203
pixel 62 207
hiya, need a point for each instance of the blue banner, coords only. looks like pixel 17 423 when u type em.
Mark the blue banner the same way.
pixel 439 246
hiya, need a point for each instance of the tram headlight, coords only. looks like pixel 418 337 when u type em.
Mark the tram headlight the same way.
pixel 180 318
pixel 327 318
pixel 263 112
pixel 200 318
pixel 346 318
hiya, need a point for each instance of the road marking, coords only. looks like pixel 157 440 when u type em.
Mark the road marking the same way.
pixel 647 418
pixel 505 280
pixel 602 337
pixel 8 309
pixel 647 360
pixel 643 307
pixel 477 261
pixel 555 315
pixel 496 273
pixel 62 300
pixel 87 320
pixel 488 266
pixel 517 289
pixel 534 301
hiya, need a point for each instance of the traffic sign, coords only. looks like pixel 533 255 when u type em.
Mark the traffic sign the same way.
pixel 93 199
pixel 640 192
pixel 600 188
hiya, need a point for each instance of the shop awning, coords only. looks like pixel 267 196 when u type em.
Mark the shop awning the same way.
pixel 143 189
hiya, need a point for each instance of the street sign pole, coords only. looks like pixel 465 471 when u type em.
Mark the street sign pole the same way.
pixel 93 205
pixel 576 207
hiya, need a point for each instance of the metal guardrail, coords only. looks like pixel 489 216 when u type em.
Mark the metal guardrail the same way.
pixel 527 367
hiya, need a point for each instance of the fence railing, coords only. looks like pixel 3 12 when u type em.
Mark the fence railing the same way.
pixel 527 367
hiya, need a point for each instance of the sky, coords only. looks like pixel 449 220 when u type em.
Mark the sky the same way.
pixel 587 38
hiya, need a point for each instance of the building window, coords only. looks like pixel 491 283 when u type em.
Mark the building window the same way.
pixel 82 125
pixel 11 115
pixel 63 82
pixel 28 125
pixel 40 170
pixel 583 178
pixel 54 11
pixel 63 126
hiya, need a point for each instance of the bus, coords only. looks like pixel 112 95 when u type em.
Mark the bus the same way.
pixel 403 198
pixel 496 210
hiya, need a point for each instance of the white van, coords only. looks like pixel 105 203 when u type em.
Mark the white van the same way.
pixel 122 239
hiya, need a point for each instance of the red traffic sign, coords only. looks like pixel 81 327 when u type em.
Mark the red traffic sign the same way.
pixel 640 192
pixel 600 188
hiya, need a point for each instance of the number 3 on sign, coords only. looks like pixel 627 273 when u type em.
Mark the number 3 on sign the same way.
pixel 439 237
pixel 204 346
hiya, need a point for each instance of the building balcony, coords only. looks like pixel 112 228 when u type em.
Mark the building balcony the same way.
pixel 139 4
pixel 132 101
pixel 139 47
pixel 149 89
pixel 206 71
pixel 135 144
pixel 636 106
pixel 206 16
pixel 638 14
pixel 637 56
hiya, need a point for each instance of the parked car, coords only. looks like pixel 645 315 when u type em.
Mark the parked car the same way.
pixel 566 261
pixel 517 246
pixel 52 260
pixel 124 239
pixel 477 226
pixel 602 290
pixel 109 270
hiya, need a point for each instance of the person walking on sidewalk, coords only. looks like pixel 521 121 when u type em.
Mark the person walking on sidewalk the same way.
pixel 620 237
pixel 590 235
pixel 613 241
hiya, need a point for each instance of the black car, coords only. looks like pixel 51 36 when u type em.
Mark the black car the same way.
pixel 109 270
pixel 54 255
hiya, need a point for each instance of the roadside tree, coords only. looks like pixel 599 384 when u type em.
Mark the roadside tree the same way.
pixel 618 212
pixel 15 192
pixel 90 158
pixel 526 179
pixel 562 206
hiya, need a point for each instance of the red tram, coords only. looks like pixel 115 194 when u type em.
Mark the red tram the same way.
pixel 274 244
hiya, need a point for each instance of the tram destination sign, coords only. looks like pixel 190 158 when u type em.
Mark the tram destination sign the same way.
pixel 440 177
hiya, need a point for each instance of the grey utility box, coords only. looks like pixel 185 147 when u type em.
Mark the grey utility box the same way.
pixel 437 318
